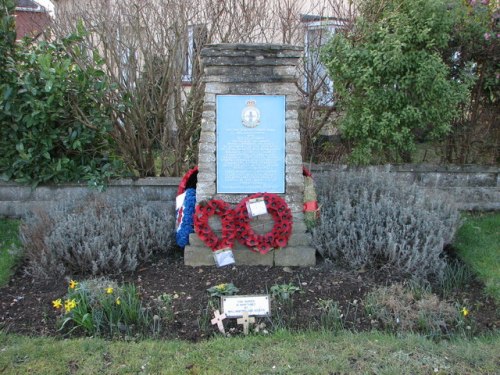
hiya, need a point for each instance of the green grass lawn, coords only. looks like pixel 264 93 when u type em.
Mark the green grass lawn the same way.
pixel 281 353
pixel 8 240
pixel 478 244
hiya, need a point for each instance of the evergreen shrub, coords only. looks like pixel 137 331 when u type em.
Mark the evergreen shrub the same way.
pixel 369 219
pixel 97 236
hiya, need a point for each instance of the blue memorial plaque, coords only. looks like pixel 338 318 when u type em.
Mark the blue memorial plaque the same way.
pixel 250 143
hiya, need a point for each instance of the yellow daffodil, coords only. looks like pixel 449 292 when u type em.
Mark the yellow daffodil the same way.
pixel 109 290
pixel 465 312
pixel 118 301
pixel 221 287
pixel 57 303
pixel 69 305
pixel 72 284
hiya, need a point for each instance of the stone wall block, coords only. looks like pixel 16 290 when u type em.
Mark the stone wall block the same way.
pixel 206 157
pixel 292 136
pixel 208 125
pixel 292 124
pixel 294 148
pixel 295 158
pixel 207 148
pixel 208 137
pixel 206 176
pixel 209 101
pixel 291 115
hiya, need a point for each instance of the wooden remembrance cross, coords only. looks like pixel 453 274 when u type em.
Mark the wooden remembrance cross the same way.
pixel 246 321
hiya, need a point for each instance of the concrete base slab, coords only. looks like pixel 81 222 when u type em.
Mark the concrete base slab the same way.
pixel 197 254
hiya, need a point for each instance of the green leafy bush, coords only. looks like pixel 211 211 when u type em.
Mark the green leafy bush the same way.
pixel 391 79
pixel 370 219
pixel 97 236
pixel 54 119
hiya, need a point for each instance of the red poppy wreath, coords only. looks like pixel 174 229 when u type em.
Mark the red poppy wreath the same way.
pixel 277 237
pixel 202 227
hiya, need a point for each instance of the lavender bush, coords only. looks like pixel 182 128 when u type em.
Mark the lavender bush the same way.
pixel 97 236
pixel 370 219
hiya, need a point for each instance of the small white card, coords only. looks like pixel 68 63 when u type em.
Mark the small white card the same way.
pixel 179 200
pixel 256 207
pixel 224 257
pixel 235 306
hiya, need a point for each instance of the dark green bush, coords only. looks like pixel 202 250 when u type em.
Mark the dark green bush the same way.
pixel 54 121
pixel 391 81
pixel 370 219
pixel 97 236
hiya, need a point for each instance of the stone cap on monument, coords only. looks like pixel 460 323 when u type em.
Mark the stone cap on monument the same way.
pixel 251 62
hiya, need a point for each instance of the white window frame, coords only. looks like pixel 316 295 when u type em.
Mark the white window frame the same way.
pixel 187 69
pixel 329 26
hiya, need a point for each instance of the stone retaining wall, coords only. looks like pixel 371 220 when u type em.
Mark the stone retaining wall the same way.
pixel 473 188
pixel 18 200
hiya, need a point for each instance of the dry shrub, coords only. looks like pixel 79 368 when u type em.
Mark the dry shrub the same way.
pixel 97 236
pixel 401 309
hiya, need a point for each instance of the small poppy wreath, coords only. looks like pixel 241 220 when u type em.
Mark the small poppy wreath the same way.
pixel 203 213
pixel 277 237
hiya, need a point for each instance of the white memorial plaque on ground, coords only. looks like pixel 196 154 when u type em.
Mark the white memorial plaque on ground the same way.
pixel 235 306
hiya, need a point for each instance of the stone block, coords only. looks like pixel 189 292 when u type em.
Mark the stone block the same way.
pixel 299 240
pixel 294 179
pixel 292 136
pixel 206 176
pixel 299 227
pixel 294 148
pixel 292 124
pixel 206 157
pixel 303 256
pixel 196 256
pixel 293 169
pixel 294 158
pixel 207 125
pixel 244 256
pixel 291 115
pixel 195 241
pixel 207 137
pixel 206 166
pixel 207 148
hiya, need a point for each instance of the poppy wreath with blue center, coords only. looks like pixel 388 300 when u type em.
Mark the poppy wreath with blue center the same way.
pixel 202 227
pixel 277 237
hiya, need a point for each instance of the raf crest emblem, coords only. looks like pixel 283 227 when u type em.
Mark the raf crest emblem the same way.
pixel 250 116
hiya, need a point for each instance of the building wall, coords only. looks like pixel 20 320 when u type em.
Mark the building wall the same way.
pixel 30 23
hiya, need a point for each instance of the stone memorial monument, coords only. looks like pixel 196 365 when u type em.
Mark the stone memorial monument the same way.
pixel 250 143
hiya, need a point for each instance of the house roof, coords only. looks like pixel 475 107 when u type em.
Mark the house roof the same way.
pixel 29 6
